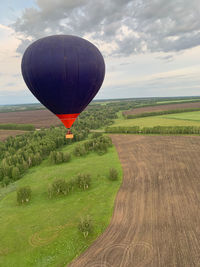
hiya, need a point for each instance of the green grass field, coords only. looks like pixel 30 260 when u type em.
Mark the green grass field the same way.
pixel 187 116
pixel 177 119
pixel 44 232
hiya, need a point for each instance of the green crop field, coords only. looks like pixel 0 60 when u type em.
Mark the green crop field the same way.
pixel 179 119
pixel 187 116
pixel 44 232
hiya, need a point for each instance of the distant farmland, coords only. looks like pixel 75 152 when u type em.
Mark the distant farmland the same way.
pixel 162 107
pixel 39 118
pixel 179 119
pixel 5 133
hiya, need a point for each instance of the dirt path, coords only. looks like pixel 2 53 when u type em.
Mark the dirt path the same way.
pixel 156 219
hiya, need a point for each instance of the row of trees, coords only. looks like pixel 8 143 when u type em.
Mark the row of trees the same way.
pixel 155 130
pixel 57 157
pixel 61 186
pixel 99 145
pixel 13 126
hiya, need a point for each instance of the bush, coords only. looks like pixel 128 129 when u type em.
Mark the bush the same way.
pixel 66 157
pixel 83 181
pixel 58 187
pixel 79 150
pixel 59 157
pixel 96 134
pixel 113 174
pixel 15 173
pixel 5 181
pixel 52 157
pixel 23 194
pixel 85 226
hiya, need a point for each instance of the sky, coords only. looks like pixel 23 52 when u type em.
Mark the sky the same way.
pixel 151 47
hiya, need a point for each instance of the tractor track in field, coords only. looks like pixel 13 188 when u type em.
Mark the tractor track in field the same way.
pixel 156 218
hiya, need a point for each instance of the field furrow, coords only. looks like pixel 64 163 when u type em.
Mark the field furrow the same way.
pixel 156 215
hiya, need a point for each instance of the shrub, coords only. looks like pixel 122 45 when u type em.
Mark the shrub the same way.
pixel 58 187
pixel 96 134
pixel 52 157
pixel 5 181
pixel 15 173
pixel 23 194
pixel 113 174
pixel 1 174
pixel 59 157
pixel 66 157
pixel 79 150
pixel 83 181
pixel 85 226
pixel 72 183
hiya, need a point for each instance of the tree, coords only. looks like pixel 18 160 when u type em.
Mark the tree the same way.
pixel 58 187
pixel 59 157
pixel 15 173
pixel 66 157
pixel 83 181
pixel 52 157
pixel 79 150
pixel 5 181
pixel 113 174
pixel 23 194
pixel 85 225
pixel 1 174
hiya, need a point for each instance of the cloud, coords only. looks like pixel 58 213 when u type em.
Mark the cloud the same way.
pixel 118 27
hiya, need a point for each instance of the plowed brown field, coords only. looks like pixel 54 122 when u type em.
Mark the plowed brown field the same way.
pixel 156 219
pixel 5 133
pixel 161 108
pixel 39 118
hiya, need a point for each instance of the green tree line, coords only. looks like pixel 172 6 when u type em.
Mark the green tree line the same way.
pixel 155 130
pixel 13 126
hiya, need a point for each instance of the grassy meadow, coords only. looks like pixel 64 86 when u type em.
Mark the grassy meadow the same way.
pixel 44 232
pixel 179 119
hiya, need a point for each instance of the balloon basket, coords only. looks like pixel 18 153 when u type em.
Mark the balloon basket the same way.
pixel 69 136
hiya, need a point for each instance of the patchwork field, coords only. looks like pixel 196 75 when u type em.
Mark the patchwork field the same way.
pixel 156 216
pixel 177 119
pixel 39 118
pixel 162 107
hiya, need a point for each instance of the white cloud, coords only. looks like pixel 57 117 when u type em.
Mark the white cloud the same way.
pixel 10 61
pixel 152 47
pixel 129 26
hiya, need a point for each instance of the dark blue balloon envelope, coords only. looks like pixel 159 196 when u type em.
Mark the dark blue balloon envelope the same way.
pixel 64 73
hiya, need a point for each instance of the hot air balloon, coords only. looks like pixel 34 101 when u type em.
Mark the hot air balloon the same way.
pixel 64 73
